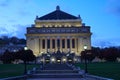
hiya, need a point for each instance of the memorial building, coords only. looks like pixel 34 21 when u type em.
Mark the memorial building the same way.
pixel 58 30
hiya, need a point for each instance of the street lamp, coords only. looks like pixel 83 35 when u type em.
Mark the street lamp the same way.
pixel 25 66
pixel 85 48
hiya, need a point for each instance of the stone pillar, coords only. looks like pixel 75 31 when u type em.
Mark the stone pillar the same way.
pixel 56 46
pixel 66 44
pixel 75 44
pixel 80 44
pixel 70 44
pixel 40 45
pixel 50 44
pixel 46 44
pixel 60 44
pixel 36 51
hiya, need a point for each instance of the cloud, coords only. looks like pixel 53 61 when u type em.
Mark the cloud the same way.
pixel 14 30
pixel 106 42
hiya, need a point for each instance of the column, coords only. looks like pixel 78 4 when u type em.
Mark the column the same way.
pixel 50 44
pixel 36 46
pixel 65 44
pixel 61 44
pixel 81 45
pixel 40 45
pixel 70 44
pixel 76 46
pixel 46 44
pixel 56 46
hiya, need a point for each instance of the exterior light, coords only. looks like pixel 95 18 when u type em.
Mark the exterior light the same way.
pixel 85 47
pixel 25 65
pixel 53 59
pixel 58 60
pixel 64 59
pixel 25 48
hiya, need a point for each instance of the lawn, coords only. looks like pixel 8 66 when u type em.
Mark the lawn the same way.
pixel 107 69
pixel 10 70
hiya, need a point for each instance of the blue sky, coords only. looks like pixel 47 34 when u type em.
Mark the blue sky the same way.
pixel 102 15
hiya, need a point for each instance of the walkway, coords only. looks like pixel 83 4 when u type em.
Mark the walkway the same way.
pixel 59 72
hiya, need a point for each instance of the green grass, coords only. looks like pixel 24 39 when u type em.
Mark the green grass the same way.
pixel 10 70
pixel 108 69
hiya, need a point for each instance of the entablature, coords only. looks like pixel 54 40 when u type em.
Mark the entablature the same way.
pixel 54 30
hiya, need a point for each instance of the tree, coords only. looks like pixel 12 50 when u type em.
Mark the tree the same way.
pixel 111 54
pixel 27 55
pixel 7 57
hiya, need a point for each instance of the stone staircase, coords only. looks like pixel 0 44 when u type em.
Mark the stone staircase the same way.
pixel 55 71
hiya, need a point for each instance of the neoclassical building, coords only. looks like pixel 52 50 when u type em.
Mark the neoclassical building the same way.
pixel 58 29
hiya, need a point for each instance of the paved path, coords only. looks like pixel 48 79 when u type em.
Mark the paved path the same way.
pixel 56 67
pixel 58 72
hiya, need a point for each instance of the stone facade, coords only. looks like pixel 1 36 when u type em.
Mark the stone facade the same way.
pixel 58 29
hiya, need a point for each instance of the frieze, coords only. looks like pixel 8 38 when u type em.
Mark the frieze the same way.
pixel 58 30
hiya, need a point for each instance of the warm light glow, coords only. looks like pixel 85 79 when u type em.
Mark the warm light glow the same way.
pixel 58 60
pixel 64 59
pixel 72 51
pixel 25 48
pixel 53 59
pixel 85 47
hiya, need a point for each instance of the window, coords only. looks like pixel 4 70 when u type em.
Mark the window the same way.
pixel 48 43
pixel 73 43
pixel 53 43
pixel 43 43
pixel 68 43
pixel 63 43
pixel 58 42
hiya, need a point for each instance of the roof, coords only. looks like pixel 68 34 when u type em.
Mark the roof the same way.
pixel 57 15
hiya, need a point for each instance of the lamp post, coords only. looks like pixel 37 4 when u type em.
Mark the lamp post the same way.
pixel 25 66
pixel 85 48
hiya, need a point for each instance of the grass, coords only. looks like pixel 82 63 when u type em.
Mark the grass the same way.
pixel 10 70
pixel 108 69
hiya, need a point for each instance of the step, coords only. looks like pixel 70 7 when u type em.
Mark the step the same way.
pixel 56 71
pixel 68 75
